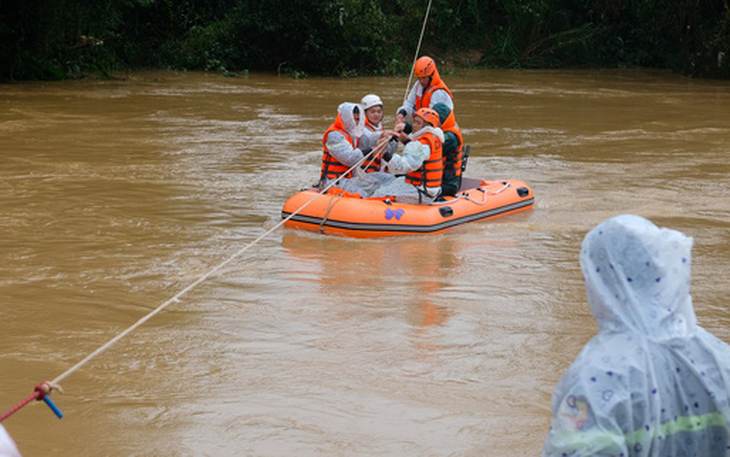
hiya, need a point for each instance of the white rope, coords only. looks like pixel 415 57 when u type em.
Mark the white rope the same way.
pixel 418 49
pixel 176 297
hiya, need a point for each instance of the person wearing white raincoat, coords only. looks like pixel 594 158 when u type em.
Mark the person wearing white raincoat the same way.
pixel 7 445
pixel 373 132
pixel 651 382
pixel 417 154
pixel 342 150
pixel 341 140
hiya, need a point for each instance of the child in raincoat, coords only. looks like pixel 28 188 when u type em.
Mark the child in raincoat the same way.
pixel 652 382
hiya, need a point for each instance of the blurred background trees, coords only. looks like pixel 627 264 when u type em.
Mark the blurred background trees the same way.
pixel 55 39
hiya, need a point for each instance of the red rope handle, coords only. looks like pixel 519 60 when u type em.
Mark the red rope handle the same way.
pixel 40 392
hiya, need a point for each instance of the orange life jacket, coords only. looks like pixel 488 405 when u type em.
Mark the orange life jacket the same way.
pixel 424 101
pixel 331 167
pixel 432 169
pixel 371 164
pixel 453 163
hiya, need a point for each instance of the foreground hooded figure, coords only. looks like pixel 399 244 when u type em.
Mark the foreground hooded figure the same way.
pixel 652 382
pixel 7 445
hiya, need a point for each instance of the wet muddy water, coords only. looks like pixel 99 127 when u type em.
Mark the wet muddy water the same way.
pixel 117 195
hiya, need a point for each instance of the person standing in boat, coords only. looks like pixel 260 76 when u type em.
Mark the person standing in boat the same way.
pixel 452 150
pixel 429 90
pixel 373 131
pixel 421 162
pixel 651 383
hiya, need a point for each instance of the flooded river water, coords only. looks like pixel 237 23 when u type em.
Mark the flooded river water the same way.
pixel 116 195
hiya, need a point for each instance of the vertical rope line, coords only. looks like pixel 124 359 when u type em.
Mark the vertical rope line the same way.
pixel 418 49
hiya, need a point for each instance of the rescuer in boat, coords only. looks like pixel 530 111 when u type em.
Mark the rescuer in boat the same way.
pixel 427 91
pixel 652 383
pixel 453 149
pixel 421 162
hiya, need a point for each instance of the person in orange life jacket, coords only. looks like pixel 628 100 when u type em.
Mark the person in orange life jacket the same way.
pixel 452 150
pixel 373 131
pixel 421 162
pixel 427 91
pixel 342 150
pixel 340 142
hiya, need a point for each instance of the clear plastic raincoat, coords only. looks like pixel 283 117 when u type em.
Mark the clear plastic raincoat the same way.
pixel 652 382
pixel 7 445
pixel 345 152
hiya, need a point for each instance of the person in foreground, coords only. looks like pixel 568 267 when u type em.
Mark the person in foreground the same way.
pixel 7 445
pixel 651 382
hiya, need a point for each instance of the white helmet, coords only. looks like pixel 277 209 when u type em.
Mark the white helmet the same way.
pixel 370 100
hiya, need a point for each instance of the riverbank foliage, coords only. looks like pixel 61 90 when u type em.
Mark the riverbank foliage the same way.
pixel 56 39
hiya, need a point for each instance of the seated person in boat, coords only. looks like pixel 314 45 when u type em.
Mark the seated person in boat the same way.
pixel 452 150
pixel 373 131
pixel 429 90
pixel 340 144
pixel 344 147
pixel 421 162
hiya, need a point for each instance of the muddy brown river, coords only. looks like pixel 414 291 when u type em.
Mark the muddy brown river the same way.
pixel 117 195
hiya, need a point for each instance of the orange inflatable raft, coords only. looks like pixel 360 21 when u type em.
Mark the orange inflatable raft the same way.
pixel 376 217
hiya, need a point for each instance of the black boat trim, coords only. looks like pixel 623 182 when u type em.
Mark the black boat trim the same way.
pixel 409 228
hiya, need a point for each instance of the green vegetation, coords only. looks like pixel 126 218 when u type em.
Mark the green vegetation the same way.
pixel 55 39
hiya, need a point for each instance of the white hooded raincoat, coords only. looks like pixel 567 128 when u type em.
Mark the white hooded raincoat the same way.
pixel 652 382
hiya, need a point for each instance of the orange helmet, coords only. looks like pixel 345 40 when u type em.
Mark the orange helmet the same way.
pixel 425 66
pixel 428 115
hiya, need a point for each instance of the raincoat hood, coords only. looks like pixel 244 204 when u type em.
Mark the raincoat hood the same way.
pixel 652 382
pixel 637 278
pixel 346 119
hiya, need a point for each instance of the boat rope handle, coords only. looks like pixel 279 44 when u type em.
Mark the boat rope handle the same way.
pixel 503 188
pixel 487 192
pixel 44 389
pixel 418 49
pixel 448 202
pixel 484 193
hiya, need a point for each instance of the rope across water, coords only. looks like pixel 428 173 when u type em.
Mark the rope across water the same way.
pixel 43 390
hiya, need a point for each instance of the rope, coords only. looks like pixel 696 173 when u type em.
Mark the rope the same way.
pixel 39 393
pixel 15 408
pixel 331 204
pixel 418 49
pixel 44 389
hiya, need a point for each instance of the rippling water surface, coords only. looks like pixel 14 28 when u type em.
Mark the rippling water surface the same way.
pixel 116 195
